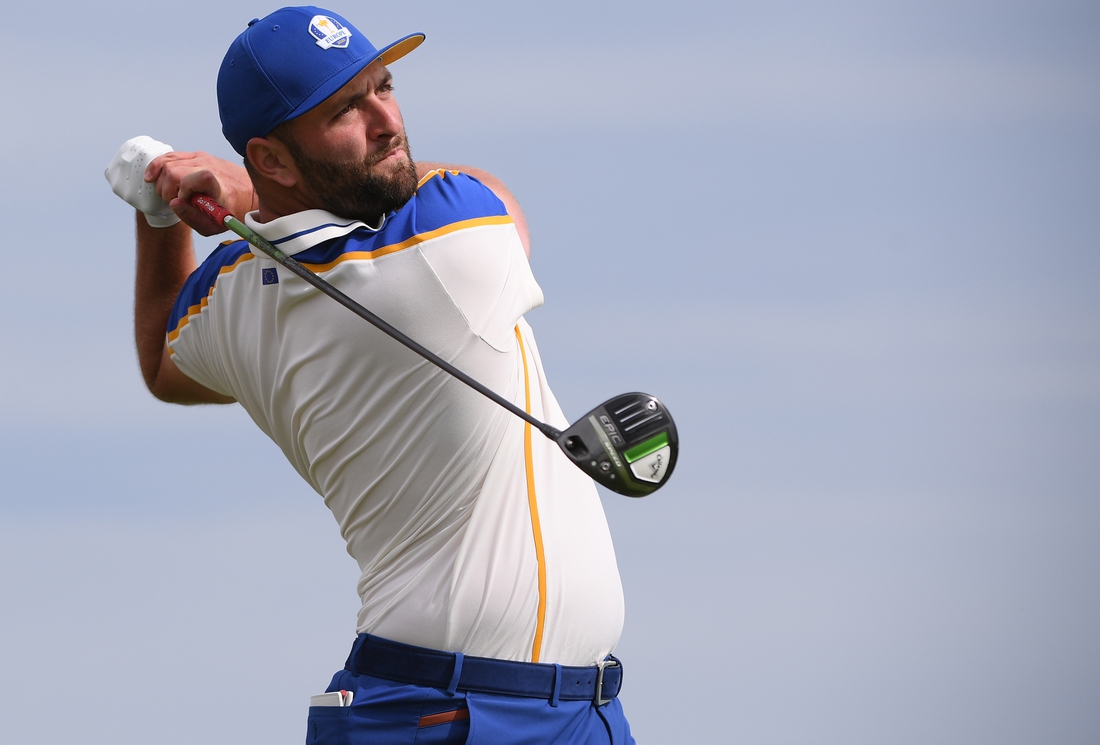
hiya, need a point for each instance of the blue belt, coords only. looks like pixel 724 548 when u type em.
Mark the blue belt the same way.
pixel 454 671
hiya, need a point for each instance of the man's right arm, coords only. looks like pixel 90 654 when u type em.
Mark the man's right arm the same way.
pixel 166 258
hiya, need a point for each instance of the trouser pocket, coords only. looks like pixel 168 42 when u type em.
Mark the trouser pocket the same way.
pixel 328 725
pixel 448 727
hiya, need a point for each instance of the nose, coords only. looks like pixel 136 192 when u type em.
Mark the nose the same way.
pixel 384 119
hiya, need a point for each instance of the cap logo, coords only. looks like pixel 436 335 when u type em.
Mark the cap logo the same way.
pixel 329 32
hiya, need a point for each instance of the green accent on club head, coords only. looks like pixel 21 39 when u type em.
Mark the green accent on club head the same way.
pixel 650 446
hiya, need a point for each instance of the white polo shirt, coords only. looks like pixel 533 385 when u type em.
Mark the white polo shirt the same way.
pixel 473 532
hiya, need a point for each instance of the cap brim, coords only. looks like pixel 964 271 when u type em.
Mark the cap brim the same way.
pixel 400 48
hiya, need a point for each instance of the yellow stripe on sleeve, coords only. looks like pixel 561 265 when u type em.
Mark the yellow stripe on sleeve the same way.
pixel 194 310
pixel 410 242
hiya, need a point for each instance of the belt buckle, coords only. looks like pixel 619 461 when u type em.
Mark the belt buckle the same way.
pixel 601 666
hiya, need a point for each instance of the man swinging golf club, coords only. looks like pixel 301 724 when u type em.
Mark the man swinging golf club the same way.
pixel 491 597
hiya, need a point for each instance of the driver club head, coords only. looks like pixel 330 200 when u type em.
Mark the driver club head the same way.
pixel 627 444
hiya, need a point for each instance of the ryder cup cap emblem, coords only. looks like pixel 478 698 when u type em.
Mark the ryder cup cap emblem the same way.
pixel 329 32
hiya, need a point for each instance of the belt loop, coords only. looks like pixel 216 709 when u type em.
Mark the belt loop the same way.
pixel 557 686
pixel 453 686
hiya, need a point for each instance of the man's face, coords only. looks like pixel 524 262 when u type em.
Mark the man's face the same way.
pixel 351 151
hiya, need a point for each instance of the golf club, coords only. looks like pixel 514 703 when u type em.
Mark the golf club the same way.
pixel 627 444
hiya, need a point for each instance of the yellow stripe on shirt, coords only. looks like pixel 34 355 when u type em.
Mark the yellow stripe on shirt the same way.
pixel 194 310
pixel 417 239
pixel 536 528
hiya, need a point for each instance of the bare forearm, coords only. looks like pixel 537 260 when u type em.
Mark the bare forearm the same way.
pixel 165 259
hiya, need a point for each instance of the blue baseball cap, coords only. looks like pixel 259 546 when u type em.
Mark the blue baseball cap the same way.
pixel 286 63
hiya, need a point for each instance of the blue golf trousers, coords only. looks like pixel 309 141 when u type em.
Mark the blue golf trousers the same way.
pixel 385 712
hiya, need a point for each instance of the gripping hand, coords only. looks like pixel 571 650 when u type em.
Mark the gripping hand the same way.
pixel 126 172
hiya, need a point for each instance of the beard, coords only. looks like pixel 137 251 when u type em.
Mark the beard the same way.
pixel 355 189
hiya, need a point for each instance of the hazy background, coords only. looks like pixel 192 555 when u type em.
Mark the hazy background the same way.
pixel 855 247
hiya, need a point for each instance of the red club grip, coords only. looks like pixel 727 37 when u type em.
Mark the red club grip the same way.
pixel 209 206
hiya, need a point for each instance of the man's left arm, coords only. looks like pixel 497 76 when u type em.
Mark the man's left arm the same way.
pixel 169 171
pixel 496 186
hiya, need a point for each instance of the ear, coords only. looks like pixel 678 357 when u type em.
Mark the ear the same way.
pixel 271 160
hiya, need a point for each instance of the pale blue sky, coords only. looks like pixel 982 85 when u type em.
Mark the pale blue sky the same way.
pixel 854 246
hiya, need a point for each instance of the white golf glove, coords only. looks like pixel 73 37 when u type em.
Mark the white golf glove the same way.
pixel 125 175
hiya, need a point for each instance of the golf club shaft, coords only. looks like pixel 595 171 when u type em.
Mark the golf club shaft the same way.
pixel 223 216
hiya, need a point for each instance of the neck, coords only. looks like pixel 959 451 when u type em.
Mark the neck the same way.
pixel 277 201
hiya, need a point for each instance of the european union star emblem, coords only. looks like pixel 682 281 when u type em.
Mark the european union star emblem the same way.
pixel 270 276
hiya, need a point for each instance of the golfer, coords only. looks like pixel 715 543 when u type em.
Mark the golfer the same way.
pixel 491 600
